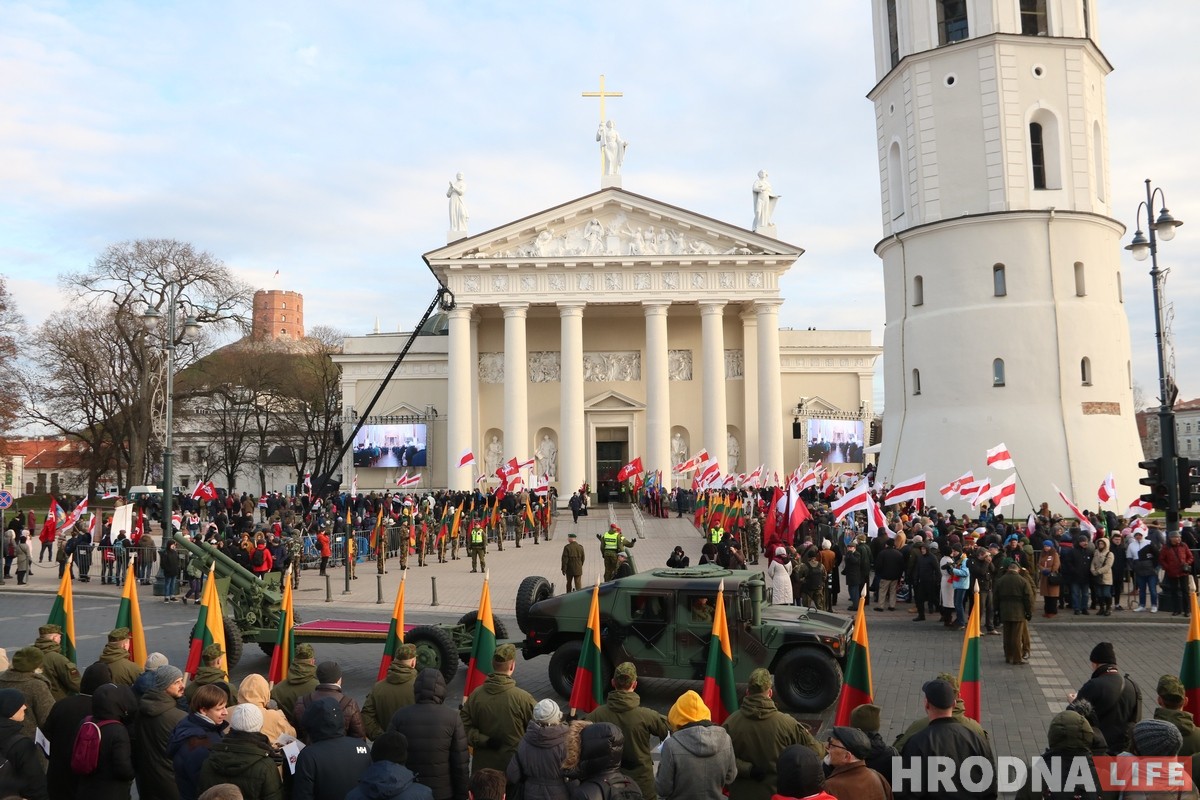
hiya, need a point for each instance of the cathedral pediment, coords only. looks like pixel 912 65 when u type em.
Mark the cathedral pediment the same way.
pixel 613 401
pixel 611 224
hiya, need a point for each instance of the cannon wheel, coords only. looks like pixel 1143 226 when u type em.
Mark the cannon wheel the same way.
pixel 467 621
pixel 233 643
pixel 435 648
pixel 533 589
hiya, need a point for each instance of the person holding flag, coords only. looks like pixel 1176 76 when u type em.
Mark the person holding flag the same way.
pixel 495 717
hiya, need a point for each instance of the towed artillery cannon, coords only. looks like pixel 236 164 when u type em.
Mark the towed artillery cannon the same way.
pixel 249 606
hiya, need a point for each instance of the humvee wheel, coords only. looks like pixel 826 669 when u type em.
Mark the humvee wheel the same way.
pixel 565 661
pixel 807 680
pixel 532 590
pixel 267 647
pixel 435 648
pixel 467 621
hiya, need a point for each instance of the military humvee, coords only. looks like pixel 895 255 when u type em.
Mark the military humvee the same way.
pixel 658 620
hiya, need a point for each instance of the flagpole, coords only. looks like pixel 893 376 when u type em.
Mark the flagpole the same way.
pixel 1017 472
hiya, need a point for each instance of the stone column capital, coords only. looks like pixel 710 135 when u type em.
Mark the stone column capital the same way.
pixel 461 311
pixel 768 305
pixel 652 308
pixel 515 310
pixel 709 308
pixel 570 308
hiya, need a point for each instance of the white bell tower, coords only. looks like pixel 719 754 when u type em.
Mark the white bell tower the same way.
pixel 1005 315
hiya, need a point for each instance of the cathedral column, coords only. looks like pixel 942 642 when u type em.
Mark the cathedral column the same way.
pixel 571 440
pixel 658 389
pixel 751 448
pixel 712 339
pixel 770 393
pixel 476 438
pixel 516 382
pixel 459 384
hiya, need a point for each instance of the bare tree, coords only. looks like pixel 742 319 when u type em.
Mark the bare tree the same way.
pixel 1139 397
pixel 124 280
pixel 12 330
pixel 315 385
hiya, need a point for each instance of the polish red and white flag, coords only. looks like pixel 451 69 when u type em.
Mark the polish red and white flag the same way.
pixel 1005 494
pixel 951 488
pixel 854 500
pixel 1084 522
pixel 1139 508
pixel 912 489
pixel 1108 490
pixel 999 458
pixel 466 459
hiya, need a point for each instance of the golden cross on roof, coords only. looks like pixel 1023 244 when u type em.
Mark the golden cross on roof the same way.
pixel 602 94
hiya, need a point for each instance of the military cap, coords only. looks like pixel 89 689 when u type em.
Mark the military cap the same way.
pixel 49 630
pixel 760 680
pixel 949 678
pixel 213 652
pixel 119 634
pixel 406 651
pixel 625 674
pixel 571 536
pixel 27 659
pixel 305 651
pixel 504 654
pixel 1171 688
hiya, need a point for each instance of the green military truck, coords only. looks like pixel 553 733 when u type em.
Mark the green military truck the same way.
pixel 661 620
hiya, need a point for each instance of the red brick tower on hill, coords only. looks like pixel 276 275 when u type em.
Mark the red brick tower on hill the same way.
pixel 278 315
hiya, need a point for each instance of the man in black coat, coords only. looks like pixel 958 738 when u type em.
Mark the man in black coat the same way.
pixel 947 739
pixel 1115 697
pixel 329 767
pixel 1076 573
pixel 889 568
pixel 63 723
pixel 437 742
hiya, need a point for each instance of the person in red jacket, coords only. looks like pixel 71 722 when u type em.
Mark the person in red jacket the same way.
pixel 1176 561
pixel 261 561
pixel 326 551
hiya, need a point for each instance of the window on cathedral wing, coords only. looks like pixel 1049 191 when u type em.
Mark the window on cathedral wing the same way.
pixel 952 21
pixel 1033 17
pixel 1037 151
pixel 893 32
pixel 1085 371
pixel 999 282
pixel 1080 281
pixel 918 290
pixel 998 372
pixel 916 381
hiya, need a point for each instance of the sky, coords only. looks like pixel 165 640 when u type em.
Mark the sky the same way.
pixel 316 139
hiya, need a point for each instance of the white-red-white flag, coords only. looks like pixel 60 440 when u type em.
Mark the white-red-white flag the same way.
pixel 999 458
pixel 754 478
pixel 74 517
pixel 876 519
pixel 1108 490
pixel 354 484
pixel 1031 525
pixel 951 488
pixel 308 483
pixel 911 489
pixel 852 501
pixel 526 464
pixel 1005 494
pixel 406 480
pixel 110 494
pixel 691 463
pixel 976 492
pixel 1138 508
pixel 1084 522
pixel 466 459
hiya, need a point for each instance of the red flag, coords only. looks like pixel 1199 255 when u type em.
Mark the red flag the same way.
pixel 800 513
pixel 772 515
pixel 629 470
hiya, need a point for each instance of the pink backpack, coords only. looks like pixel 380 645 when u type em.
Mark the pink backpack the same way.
pixel 85 755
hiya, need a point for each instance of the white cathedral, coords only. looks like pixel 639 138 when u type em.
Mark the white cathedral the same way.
pixel 1004 309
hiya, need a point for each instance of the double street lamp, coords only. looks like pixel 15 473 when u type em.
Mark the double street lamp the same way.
pixel 1161 228
pixel 152 320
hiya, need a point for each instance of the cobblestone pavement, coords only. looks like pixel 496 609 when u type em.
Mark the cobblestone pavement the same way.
pixel 1017 701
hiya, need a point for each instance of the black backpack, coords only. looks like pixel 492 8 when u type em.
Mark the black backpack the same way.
pixel 258 558
pixel 618 787
pixel 814 581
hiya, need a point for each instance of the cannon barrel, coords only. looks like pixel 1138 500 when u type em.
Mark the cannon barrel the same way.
pixel 238 575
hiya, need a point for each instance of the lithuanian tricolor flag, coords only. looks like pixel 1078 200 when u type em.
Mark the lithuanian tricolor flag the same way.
pixel 968 672
pixel 210 625
pixel 720 689
pixel 588 690
pixel 701 509
pixel 377 533
pixel 529 513
pixel 856 688
pixel 129 615
pixel 717 514
pixel 483 648
pixel 62 614
pixel 285 640
pixel 1189 673
pixel 395 634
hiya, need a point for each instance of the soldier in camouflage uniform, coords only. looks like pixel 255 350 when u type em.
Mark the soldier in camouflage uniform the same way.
pixel 419 531
pixel 520 527
pixel 439 539
pixel 753 538
pixel 405 537
pixel 295 549
pixel 455 538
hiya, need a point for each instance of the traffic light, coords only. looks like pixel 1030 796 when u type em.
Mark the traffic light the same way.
pixel 1189 482
pixel 1159 494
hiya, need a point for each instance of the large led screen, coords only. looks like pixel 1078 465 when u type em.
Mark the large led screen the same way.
pixel 835 441
pixel 386 446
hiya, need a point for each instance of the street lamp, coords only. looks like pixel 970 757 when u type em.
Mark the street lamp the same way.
pixel 152 319
pixel 1141 246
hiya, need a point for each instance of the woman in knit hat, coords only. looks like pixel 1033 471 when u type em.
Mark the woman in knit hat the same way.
pixel 537 766
pixel 697 760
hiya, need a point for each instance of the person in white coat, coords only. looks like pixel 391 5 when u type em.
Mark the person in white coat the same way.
pixel 779 573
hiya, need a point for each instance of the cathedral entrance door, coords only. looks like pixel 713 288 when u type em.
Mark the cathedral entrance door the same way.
pixel 612 453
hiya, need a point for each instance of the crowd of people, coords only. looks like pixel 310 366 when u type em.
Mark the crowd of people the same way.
pixel 120 724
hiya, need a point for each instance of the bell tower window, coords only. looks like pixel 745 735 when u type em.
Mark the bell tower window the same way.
pixel 1033 18
pixel 952 21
